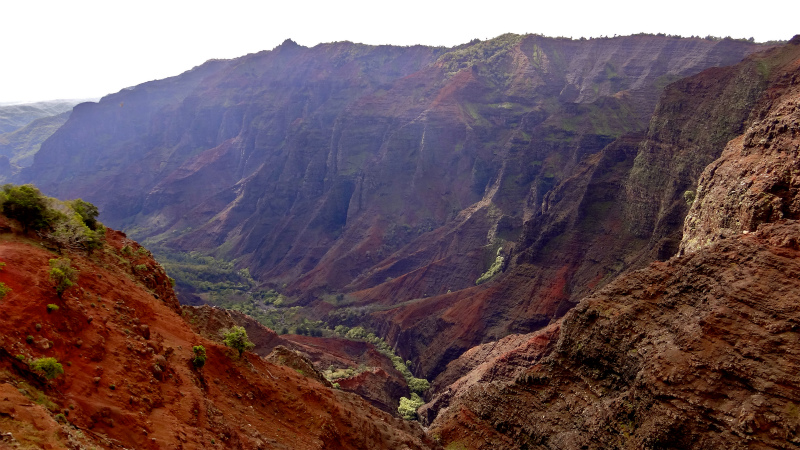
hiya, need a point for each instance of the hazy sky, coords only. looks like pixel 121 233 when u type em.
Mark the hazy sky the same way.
pixel 83 48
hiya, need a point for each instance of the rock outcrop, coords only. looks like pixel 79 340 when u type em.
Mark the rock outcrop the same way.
pixel 374 376
pixel 621 208
pixel 695 352
pixel 128 378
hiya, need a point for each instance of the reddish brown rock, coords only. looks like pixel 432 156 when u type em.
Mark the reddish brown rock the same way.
pixel 395 174
pixel 119 389
pixel 700 351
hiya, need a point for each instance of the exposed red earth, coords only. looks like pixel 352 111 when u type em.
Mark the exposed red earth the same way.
pixel 128 381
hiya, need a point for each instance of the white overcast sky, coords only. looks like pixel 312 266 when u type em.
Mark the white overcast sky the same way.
pixel 84 48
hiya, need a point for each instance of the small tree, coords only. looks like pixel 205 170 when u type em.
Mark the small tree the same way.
pixel 50 367
pixel 62 274
pixel 87 212
pixel 236 338
pixel 409 406
pixel 418 385
pixel 26 204
pixel 199 359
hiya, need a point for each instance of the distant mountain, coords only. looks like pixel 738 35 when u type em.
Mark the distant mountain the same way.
pixel 16 116
pixel 401 176
pixel 20 145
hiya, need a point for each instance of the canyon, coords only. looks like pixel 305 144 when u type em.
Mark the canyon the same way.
pixel 581 244
pixel 395 175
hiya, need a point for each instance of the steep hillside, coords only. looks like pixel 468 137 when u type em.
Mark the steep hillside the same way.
pixel 622 208
pixel 128 379
pixel 396 175
pixel 356 366
pixel 339 166
pixel 696 352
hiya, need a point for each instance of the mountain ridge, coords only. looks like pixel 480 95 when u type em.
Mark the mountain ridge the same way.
pixel 390 174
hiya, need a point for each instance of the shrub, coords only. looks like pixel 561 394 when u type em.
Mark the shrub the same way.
pixel 4 290
pixel 418 385
pixel 689 197
pixel 199 359
pixel 50 367
pixel 87 212
pixel 408 406
pixel 27 205
pixel 62 274
pixel 496 267
pixel 52 308
pixel 69 231
pixel 236 338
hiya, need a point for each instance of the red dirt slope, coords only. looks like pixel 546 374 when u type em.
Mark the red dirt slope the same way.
pixel 128 381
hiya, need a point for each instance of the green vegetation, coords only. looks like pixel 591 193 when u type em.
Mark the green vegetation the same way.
pixel 36 395
pixel 70 224
pixel 199 359
pixel 20 144
pixel 52 308
pixel 419 385
pixel 489 56
pixel 62 274
pixel 334 373
pixel 689 197
pixel 4 290
pixel 214 279
pixel 494 269
pixel 236 338
pixel 220 283
pixel 50 367
pixel 27 205
pixel 87 212
pixel 409 406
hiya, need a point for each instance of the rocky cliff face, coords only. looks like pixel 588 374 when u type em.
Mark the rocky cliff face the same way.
pixel 621 208
pixel 396 174
pixel 128 380
pixel 317 165
pixel 692 353
pixel 695 352
pixel 755 180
